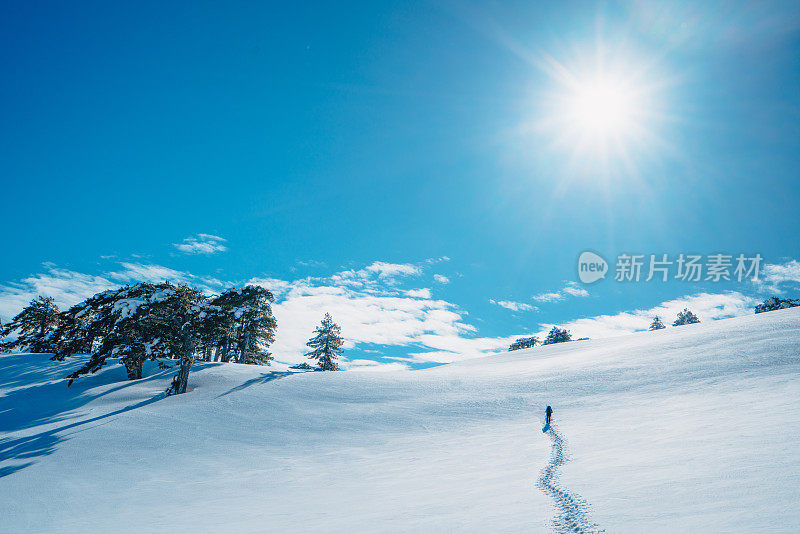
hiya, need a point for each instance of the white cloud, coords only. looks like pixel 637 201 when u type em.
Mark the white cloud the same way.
pixel 141 272
pixel 138 272
pixel 311 263
pixel 548 297
pixel 775 275
pixel 274 285
pixel 513 306
pixel 571 288
pixel 201 244
pixel 440 259
pixel 375 276
pixel 70 287
pixel 442 279
pixel 65 286
pixel 423 293
pixel 391 270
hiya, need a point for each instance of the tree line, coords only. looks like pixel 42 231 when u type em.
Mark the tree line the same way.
pixel 148 321
pixel 684 317
pixel 556 335
pixel 560 335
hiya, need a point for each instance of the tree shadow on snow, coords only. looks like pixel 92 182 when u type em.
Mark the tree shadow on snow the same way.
pixel 9 469
pixel 48 400
pixel 263 379
pixel 44 443
pixel 34 392
pixel 51 400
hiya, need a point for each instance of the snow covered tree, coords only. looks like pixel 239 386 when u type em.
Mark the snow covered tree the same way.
pixel 33 326
pixel 775 303
pixel 557 335
pixel 242 325
pixel 524 343
pixel 657 324
pixel 114 318
pixel 135 323
pixel 176 318
pixel 74 333
pixel 326 344
pixel 685 317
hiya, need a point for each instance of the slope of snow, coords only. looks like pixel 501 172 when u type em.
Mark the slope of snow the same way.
pixel 686 429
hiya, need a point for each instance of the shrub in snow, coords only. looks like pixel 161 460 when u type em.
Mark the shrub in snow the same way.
pixel 775 303
pixel 524 343
pixel 685 317
pixel 557 335
pixel 657 324
pixel 326 345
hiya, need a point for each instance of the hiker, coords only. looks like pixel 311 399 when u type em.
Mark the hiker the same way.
pixel 548 412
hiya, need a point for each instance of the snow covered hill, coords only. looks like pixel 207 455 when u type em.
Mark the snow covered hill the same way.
pixel 688 429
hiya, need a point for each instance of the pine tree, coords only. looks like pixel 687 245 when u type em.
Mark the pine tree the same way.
pixel 557 335
pixel 657 324
pixel 524 343
pixel 326 344
pixel 243 325
pixel 34 327
pixel 115 318
pixel 176 319
pixel 685 317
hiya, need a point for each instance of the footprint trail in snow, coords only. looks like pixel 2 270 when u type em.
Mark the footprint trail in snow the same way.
pixel 572 510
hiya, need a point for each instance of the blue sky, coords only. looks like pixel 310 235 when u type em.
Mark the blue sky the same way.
pixel 218 144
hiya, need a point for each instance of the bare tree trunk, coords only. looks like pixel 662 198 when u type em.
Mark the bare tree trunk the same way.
pixel 134 369
pixel 181 380
pixel 226 352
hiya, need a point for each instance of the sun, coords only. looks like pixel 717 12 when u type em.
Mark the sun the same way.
pixel 603 114
pixel 603 108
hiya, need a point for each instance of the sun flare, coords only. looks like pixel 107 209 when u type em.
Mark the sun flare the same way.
pixel 602 108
